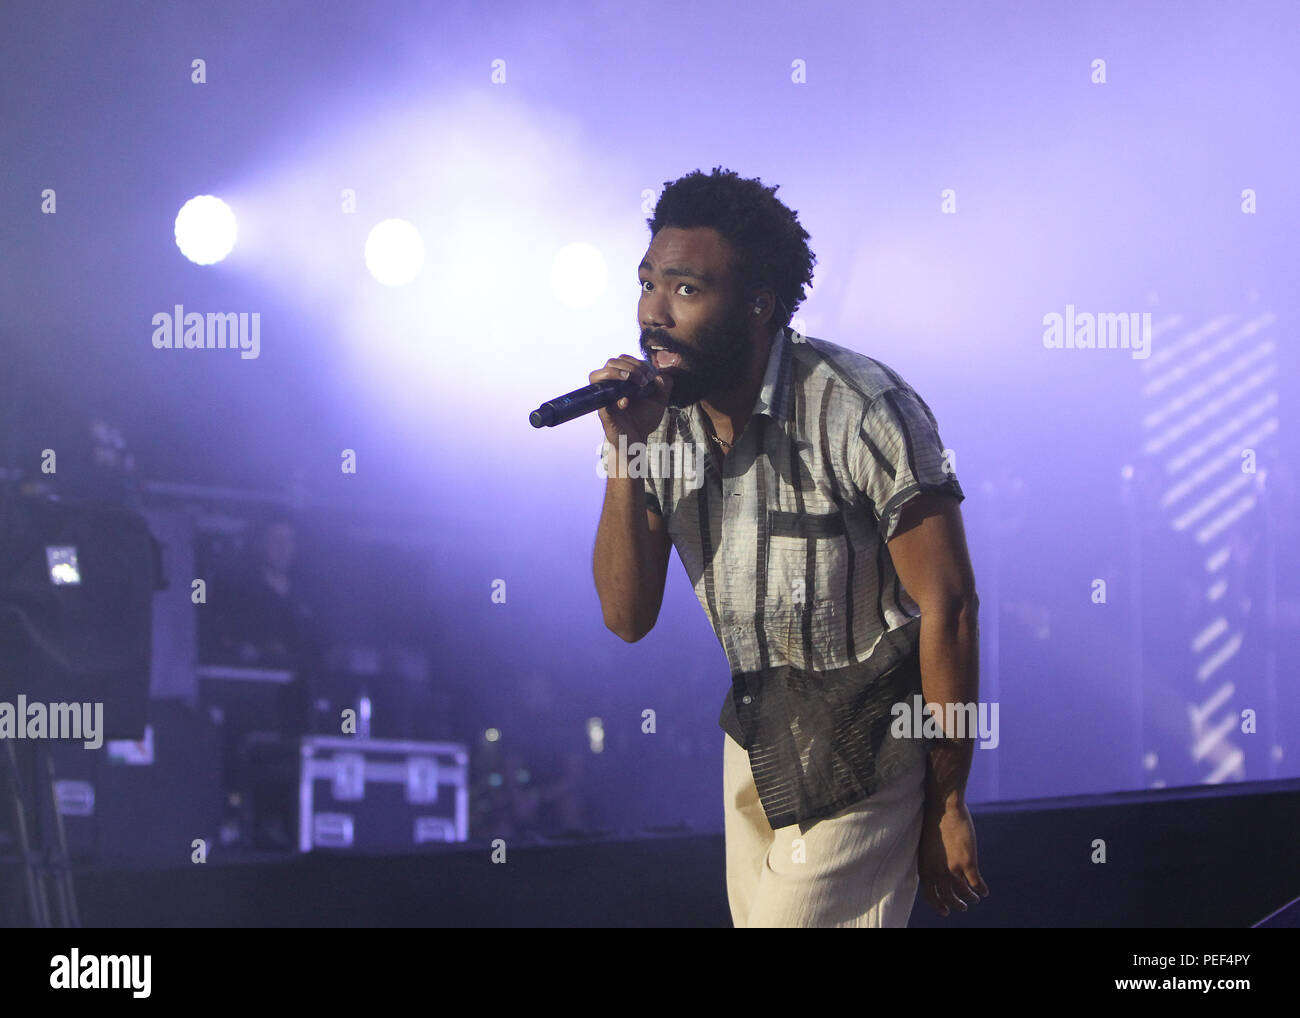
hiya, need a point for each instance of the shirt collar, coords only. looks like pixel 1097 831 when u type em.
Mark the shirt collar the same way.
pixel 774 396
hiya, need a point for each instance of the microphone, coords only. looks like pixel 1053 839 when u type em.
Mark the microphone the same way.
pixel 586 400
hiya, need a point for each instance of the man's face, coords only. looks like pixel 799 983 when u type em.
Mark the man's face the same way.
pixel 690 307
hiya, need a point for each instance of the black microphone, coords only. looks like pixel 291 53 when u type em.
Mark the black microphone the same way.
pixel 586 400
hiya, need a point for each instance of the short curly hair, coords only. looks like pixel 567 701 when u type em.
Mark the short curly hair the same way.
pixel 771 248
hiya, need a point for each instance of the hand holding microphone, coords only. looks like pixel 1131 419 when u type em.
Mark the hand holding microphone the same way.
pixel 636 415
pixel 630 395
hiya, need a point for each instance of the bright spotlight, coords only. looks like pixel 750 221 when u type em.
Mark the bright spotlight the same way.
pixel 394 252
pixel 578 275
pixel 205 229
pixel 596 734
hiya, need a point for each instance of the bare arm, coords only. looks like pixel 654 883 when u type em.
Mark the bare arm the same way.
pixel 930 556
pixel 630 560
pixel 929 553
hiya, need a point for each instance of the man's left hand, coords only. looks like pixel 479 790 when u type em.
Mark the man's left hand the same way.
pixel 947 863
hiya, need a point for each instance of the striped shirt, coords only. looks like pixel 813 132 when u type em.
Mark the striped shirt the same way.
pixel 785 544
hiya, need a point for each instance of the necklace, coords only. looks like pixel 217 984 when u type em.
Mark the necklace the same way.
pixel 709 430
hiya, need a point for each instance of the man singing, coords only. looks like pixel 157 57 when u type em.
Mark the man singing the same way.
pixel 826 547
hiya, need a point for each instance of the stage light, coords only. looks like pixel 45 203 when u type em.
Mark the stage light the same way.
pixel 205 229
pixel 578 275
pixel 394 252
pixel 62 563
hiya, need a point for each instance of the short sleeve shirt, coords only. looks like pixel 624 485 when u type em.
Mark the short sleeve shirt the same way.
pixel 784 541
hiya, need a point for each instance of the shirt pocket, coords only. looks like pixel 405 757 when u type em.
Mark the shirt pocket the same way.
pixel 795 539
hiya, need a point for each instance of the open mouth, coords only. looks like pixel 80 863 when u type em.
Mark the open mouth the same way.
pixel 664 359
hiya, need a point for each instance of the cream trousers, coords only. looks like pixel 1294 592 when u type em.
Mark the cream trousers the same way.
pixel 856 868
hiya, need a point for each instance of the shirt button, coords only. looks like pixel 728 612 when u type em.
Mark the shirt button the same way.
pixel 746 699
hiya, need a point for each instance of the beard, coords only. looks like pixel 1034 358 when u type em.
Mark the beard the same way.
pixel 717 359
